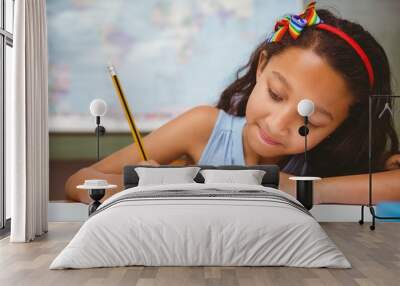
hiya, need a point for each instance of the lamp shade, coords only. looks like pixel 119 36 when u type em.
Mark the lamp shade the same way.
pixel 305 107
pixel 98 107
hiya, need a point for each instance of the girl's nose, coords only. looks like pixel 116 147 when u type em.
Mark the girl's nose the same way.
pixel 283 120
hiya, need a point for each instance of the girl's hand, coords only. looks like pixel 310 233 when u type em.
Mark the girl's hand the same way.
pixel 289 186
pixel 393 162
pixel 286 185
pixel 149 162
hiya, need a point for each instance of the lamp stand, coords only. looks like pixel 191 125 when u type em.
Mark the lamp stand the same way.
pixel 100 130
pixel 96 195
pixel 304 185
pixel 303 131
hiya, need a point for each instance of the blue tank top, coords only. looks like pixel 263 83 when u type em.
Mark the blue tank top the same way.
pixel 225 145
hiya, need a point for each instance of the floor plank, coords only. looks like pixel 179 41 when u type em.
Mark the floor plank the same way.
pixel 374 255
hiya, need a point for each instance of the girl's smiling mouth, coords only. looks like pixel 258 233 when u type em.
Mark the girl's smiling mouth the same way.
pixel 266 139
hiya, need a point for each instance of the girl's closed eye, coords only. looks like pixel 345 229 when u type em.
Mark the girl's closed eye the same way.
pixel 277 98
pixel 310 124
pixel 274 96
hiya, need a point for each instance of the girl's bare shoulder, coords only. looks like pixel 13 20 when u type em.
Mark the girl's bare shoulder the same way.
pixel 201 119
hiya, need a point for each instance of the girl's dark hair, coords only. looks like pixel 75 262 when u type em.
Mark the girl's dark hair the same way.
pixel 345 151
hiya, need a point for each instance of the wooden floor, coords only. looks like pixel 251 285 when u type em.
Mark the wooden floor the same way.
pixel 374 255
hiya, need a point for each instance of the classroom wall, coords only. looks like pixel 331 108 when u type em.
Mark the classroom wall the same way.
pixel 72 140
pixel 169 55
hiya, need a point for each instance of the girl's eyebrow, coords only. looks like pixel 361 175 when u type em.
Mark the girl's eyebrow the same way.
pixel 282 79
pixel 286 83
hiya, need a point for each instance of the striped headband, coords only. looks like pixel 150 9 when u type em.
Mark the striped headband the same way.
pixel 296 23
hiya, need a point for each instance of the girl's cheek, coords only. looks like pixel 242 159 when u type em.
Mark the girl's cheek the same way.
pixel 254 107
pixel 312 141
pixel 297 145
pixel 260 103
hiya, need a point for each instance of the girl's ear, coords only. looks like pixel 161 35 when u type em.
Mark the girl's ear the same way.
pixel 261 63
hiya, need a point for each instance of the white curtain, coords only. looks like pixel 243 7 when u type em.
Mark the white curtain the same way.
pixel 27 155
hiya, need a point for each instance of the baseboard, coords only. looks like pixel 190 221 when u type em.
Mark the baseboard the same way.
pixel 340 213
pixel 69 212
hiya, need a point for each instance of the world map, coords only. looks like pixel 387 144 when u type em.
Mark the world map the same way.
pixel 169 55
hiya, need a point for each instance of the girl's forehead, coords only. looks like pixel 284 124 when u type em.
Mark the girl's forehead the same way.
pixel 305 74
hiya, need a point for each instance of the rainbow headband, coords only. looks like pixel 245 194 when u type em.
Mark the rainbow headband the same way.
pixel 296 23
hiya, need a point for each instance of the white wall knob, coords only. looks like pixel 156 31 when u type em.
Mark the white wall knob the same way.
pixel 98 107
pixel 305 107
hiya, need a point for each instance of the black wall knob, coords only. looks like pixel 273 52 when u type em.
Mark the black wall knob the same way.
pixel 303 130
pixel 101 130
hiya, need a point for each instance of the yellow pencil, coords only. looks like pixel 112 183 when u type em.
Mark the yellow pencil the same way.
pixel 135 132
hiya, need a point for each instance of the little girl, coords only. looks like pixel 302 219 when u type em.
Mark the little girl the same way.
pixel 314 55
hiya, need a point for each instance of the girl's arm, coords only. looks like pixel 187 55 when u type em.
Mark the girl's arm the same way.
pixel 90 173
pixel 182 135
pixel 353 189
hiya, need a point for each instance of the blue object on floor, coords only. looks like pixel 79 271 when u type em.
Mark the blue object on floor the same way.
pixel 388 209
